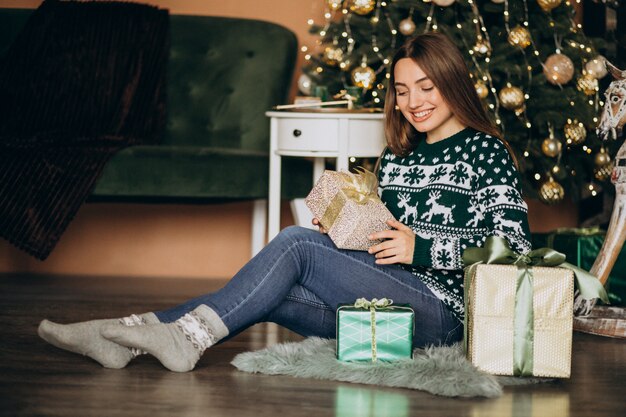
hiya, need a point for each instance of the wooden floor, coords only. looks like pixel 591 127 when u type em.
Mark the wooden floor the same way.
pixel 37 379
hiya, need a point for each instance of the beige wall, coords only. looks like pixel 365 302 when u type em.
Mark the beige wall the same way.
pixel 203 241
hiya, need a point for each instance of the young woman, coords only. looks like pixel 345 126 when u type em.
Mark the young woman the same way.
pixel 448 178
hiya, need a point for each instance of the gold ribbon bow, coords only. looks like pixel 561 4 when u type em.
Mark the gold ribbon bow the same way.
pixel 497 251
pixel 359 187
pixel 372 306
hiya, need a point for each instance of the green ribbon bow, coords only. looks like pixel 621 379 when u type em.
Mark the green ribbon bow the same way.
pixel 372 306
pixel 497 251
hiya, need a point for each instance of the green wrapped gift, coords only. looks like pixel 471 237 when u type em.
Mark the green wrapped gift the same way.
pixel 367 402
pixel 368 331
pixel 581 247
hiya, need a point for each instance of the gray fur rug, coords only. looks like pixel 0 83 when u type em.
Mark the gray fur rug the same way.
pixel 438 370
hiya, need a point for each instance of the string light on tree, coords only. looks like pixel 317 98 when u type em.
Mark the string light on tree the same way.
pixel 548 5
pixel 558 69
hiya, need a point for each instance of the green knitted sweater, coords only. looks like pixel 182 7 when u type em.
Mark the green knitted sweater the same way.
pixel 454 194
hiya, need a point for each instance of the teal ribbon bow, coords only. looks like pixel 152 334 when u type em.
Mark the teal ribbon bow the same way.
pixel 497 251
pixel 372 306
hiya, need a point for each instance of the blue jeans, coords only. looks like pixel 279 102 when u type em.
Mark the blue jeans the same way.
pixel 299 279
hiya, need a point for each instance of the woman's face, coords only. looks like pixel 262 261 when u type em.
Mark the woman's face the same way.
pixel 421 103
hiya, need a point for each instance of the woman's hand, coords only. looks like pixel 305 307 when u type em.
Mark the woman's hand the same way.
pixel 317 223
pixel 398 248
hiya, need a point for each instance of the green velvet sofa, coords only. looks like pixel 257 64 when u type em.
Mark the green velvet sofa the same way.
pixel 223 74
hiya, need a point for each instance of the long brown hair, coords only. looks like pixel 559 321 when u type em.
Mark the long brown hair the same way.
pixel 442 62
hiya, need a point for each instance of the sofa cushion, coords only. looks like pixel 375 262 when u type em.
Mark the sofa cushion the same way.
pixel 191 172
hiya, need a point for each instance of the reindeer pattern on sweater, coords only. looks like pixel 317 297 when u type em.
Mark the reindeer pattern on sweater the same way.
pixel 454 194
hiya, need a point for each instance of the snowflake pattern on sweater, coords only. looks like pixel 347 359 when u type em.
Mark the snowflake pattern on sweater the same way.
pixel 454 194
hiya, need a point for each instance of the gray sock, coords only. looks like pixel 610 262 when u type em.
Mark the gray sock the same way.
pixel 84 338
pixel 178 345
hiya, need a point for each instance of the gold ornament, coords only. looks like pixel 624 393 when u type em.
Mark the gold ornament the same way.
pixel 519 36
pixel 575 132
pixel 603 173
pixel 481 48
pixel 363 76
pixel 551 192
pixel 602 158
pixel 333 55
pixel 548 5
pixel 406 26
pixel 362 7
pixel 596 67
pixel 558 69
pixel 334 4
pixel 551 146
pixel 481 89
pixel 587 84
pixel 443 3
pixel 512 98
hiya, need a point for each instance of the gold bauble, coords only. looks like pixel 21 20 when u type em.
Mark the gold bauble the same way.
pixel 512 98
pixel 481 89
pixel 551 192
pixel 443 3
pixel 333 55
pixel 334 4
pixel 548 5
pixel 558 69
pixel 481 48
pixel 363 76
pixel 603 173
pixel 587 84
pixel 575 132
pixel 551 146
pixel 596 67
pixel 602 158
pixel 406 26
pixel 362 7
pixel 519 36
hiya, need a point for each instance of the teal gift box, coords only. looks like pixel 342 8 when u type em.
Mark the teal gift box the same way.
pixel 376 330
pixel 581 247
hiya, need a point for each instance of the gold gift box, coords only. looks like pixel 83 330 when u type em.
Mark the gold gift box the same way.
pixel 348 207
pixel 491 314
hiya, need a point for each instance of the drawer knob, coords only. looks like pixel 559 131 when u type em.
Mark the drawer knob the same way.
pixel 297 132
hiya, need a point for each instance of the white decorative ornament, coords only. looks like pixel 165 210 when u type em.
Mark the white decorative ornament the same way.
pixel 443 3
pixel 596 67
pixel 304 84
pixel 406 26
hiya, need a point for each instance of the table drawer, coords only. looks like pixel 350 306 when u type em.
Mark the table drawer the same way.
pixel 314 135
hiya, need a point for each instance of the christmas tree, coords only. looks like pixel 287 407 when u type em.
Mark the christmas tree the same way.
pixel 532 65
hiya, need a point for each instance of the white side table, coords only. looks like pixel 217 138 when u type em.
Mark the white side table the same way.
pixel 319 134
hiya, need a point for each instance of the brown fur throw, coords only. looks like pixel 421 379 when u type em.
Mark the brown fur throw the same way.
pixel 81 81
